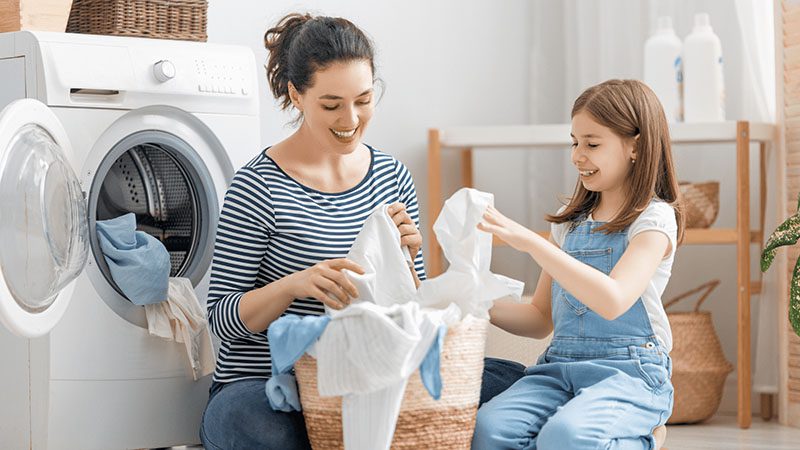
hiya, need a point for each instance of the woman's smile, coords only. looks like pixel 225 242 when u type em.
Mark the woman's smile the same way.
pixel 345 136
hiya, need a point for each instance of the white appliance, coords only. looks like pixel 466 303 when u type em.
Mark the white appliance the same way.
pixel 93 127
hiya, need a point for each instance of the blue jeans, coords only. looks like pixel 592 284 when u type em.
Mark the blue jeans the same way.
pixel 238 415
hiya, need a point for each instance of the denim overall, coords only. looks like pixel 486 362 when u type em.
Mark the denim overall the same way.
pixel 599 385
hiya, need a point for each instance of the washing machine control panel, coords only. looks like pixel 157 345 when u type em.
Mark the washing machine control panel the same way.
pixel 220 77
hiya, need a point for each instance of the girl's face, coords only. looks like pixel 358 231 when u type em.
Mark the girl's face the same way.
pixel 603 158
pixel 338 106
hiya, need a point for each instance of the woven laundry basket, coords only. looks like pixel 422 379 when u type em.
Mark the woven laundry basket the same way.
pixel 700 202
pixel 699 367
pixel 159 19
pixel 423 423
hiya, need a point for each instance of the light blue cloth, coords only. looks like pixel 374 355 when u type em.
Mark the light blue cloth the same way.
pixel 282 393
pixel 139 263
pixel 429 370
pixel 289 337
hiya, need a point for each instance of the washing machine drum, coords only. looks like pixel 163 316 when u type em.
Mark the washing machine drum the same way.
pixel 147 181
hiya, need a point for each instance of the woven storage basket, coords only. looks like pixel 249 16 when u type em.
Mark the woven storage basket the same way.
pixel 423 423
pixel 701 203
pixel 699 367
pixel 159 19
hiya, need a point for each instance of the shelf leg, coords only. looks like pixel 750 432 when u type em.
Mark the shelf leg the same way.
pixel 466 168
pixel 744 384
pixel 434 200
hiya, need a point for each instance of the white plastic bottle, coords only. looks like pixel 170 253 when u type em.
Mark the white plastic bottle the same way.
pixel 703 83
pixel 662 68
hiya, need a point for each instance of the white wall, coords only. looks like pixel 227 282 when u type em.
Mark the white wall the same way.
pixel 443 63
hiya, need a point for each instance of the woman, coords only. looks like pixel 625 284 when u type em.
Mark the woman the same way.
pixel 291 215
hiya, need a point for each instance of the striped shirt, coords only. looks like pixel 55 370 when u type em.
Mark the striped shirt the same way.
pixel 271 226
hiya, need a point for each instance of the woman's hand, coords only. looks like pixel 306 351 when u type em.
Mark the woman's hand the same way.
pixel 326 282
pixel 409 234
pixel 506 229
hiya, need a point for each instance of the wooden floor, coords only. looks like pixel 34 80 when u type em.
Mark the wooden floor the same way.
pixel 721 432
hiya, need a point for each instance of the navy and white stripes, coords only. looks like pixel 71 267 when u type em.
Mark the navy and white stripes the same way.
pixel 271 226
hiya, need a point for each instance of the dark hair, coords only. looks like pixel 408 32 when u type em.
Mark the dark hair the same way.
pixel 633 112
pixel 300 44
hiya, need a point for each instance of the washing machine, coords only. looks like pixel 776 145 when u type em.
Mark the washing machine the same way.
pixel 93 127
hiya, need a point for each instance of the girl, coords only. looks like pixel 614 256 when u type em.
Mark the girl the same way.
pixel 604 380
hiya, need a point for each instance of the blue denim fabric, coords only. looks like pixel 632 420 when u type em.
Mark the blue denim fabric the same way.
pixel 498 375
pixel 600 384
pixel 239 417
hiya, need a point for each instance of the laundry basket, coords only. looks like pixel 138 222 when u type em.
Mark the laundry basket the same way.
pixel 699 367
pixel 423 423
pixel 700 202
pixel 160 19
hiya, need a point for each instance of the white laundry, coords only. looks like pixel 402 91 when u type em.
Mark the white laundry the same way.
pixel 370 348
pixel 366 355
pixel 468 281
pixel 180 318
pixel 387 279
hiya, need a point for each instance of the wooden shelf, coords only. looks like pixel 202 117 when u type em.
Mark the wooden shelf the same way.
pixel 530 137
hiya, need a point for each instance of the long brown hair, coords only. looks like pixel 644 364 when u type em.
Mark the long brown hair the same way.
pixel 629 108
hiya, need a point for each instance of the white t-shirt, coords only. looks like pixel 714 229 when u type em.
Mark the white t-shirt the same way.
pixel 658 216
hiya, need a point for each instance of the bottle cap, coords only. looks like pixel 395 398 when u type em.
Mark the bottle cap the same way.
pixel 664 23
pixel 702 20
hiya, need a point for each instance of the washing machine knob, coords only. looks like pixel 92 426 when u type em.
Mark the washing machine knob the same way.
pixel 164 70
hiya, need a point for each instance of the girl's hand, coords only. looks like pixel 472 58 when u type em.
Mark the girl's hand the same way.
pixel 409 234
pixel 326 282
pixel 506 229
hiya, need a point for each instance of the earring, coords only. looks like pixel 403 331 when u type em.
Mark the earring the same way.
pixel 633 161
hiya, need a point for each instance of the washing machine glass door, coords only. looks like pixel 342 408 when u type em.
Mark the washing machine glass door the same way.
pixel 43 224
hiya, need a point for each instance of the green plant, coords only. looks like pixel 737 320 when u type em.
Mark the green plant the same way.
pixel 787 233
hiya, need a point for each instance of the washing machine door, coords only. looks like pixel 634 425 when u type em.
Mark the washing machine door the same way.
pixel 43 224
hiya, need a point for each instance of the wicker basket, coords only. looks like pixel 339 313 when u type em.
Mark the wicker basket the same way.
pixel 701 203
pixel 159 19
pixel 699 366
pixel 423 423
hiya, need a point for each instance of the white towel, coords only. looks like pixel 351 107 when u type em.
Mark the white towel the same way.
pixel 180 318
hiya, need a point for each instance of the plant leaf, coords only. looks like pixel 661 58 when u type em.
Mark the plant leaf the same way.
pixel 787 233
pixel 794 299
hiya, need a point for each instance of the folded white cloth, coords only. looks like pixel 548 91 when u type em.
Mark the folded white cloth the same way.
pixel 180 318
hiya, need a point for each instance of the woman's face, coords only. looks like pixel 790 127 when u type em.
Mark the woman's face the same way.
pixel 338 106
